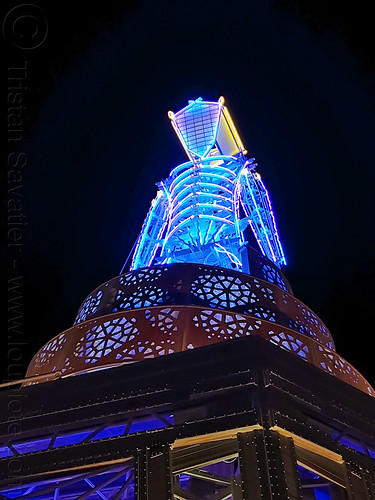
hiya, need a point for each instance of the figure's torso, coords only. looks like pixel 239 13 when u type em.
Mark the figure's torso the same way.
pixel 202 210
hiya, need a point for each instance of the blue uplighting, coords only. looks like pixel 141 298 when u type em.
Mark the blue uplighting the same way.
pixel 310 480
pixel 111 431
pixel 147 424
pixel 321 494
pixel 354 445
pixel 138 424
pixel 5 452
pixel 196 215
pixel 115 482
pixel 72 438
pixel 14 494
pixel 32 446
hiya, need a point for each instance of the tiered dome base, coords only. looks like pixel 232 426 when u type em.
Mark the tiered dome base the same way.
pixel 166 309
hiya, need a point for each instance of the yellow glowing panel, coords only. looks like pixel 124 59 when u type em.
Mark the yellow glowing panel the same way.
pixel 309 445
pixel 228 140
pixel 213 436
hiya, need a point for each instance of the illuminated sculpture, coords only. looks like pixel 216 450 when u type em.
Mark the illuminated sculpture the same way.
pixel 196 215
pixel 194 281
pixel 197 374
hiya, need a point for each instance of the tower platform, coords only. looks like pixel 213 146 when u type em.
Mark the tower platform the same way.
pixel 240 419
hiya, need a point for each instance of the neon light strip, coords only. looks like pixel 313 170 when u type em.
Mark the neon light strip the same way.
pixel 134 258
pixel 199 193
pixel 143 235
pixel 233 128
pixel 205 168
pixel 181 179
pixel 267 207
pixel 214 217
pixel 210 185
pixel 255 232
pixel 201 170
pixel 274 223
pixel 207 205
pixel 215 236
pixel 194 192
pixel 236 203
pixel 214 206
pixel 141 247
pixel 227 160
pixel 188 209
pixel 166 192
pixel 179 167
pixel 235 260
pixel 259 216
pixel 191 188
pixel 221 105
pixel 216 176
pixel 200 216
pixel 207 232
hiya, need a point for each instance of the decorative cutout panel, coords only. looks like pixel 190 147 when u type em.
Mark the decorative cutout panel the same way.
pixel 157 331
pixel 209 286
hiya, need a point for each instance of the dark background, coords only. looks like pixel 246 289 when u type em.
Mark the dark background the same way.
pixel 298 78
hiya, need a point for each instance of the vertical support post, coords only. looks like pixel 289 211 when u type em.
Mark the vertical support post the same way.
pixel 268 466
pixel 153 473
pixel 253 466
pixel 141 475
pixel 360 483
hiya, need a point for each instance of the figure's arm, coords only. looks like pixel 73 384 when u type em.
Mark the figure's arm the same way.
pixel 151 233
pixel 257 207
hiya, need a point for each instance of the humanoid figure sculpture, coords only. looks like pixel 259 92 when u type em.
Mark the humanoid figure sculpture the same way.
pixel 203 207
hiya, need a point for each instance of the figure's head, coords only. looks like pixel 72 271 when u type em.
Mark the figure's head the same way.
pixel 206 129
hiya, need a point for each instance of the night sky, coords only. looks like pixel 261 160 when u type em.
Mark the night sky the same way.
pixel 298 79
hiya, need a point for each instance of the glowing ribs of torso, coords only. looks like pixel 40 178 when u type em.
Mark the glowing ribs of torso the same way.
pixel 196 214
